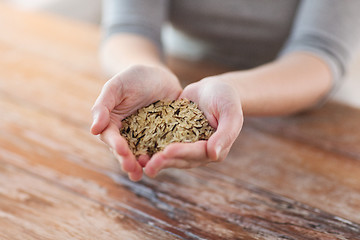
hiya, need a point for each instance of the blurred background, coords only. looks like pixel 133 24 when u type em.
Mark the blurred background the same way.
pixel 90 11
pixel 83 10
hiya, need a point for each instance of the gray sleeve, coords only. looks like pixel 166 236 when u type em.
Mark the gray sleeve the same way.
pixel 142 17
pixel 328 29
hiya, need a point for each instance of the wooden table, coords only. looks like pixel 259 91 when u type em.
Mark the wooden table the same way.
pixel 286 178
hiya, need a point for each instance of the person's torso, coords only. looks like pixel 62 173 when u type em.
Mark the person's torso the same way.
pixel 254 29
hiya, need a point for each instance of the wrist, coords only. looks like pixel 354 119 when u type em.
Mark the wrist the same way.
pixel 286 86
pixel 122 51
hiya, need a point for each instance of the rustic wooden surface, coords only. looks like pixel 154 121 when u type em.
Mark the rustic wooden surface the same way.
pixel 286 178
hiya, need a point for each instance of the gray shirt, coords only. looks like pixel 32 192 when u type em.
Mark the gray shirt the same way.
pixel 247 33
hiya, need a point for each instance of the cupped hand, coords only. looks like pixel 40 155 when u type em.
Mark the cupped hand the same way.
pixel 221 105
pixel 121 96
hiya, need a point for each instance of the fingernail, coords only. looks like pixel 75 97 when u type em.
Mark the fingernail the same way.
pixel 92 126
pixel 95 118
pixel 217 151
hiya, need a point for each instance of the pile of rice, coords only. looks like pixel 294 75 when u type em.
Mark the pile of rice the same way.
pixel 154 127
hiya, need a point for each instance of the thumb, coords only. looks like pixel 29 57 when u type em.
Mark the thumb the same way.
pixel 104 104
pixel 101 119
pixel 229 125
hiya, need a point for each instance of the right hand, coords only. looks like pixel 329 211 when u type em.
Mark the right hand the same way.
pixel 121 96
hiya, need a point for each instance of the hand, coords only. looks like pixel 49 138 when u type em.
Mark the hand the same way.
pixel 121 96
pixel 221 105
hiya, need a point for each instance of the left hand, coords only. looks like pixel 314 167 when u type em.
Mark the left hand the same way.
pixel 221 105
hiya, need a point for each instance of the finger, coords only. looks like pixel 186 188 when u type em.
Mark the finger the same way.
pixel 101 118
pixel 135 176
pixel 114 140
pixel 229 125
pixel 143 159
pixel 103 106
pixel 159 162
pixel 189 151
pixel 178 155
pixel 111 136
pixel 126 163
pixel 190 92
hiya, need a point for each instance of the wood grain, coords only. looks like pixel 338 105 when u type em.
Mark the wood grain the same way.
pixel 302 172
pixel 285 178
pixel 201 195
pixel 33 208
pixel 333 128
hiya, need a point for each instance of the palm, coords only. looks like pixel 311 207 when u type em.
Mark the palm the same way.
pixel 141 87
pixel 132 103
